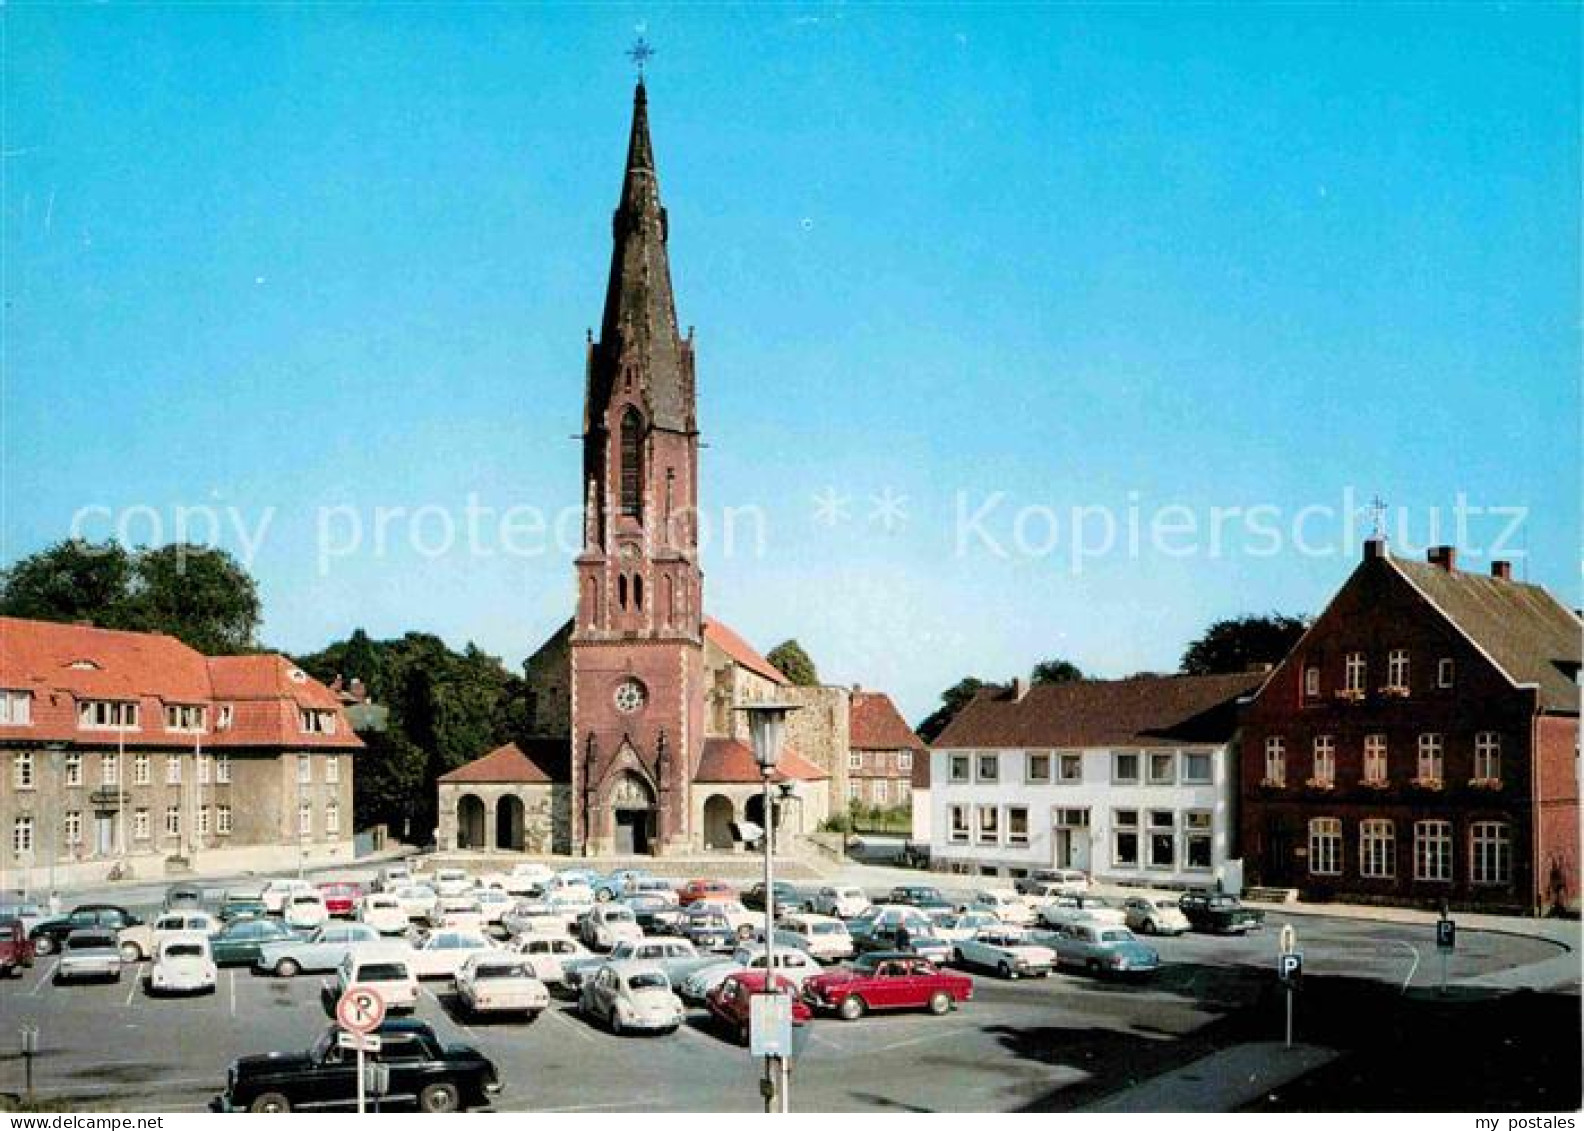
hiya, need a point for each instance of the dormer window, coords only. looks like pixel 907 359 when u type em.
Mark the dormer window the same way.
pixel 84 666
pixel 223 717
pixel 16 708
pixel 107 714
pixel 184 718
pixel 314 720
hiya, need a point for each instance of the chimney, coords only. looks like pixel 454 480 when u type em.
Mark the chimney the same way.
pixel 1019 689
pixel 1374 548
pixel 1501 570
pixel 857 689
pixel 1443 556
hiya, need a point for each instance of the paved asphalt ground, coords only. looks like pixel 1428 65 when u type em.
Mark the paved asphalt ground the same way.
pixel 1055 1043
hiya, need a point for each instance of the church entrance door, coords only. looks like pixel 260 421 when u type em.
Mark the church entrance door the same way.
pixel 633 807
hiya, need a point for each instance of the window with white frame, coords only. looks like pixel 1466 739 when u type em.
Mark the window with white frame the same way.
pixel 1446 671
pixel 1163 768
pixel 333 770
pixel 72 767
pixel 904 792
pixel 1124 767
pixel 1490 852
pixel 223 716
pixel 1325 759
pixel 16 708
pixel 203 820
pixel 332 818
pixel 140 769
pixel 1433 851
pixel 1125 838
pixel 1197 769
pixel 989 824
pixel 203 769
pixel 989 767
pixel 223 820
pixel 109 769
pixel 173 820
pixel 172 770
pixel 959 767
pixel 184 718
pixel 855 789
pixel 1432 758
pixel 140 824
pixel 1487 755
pixel 304 819
pixel 905 760
pixel 1039 766
pixel 107 714
pixel 854 760
pixel 1311 682
pixel 959 823
pixel 223 769
pixel 880 792
pixel 1069 768
pixel 1017 824
pixel 1275 760
pixel 313 720
pixel 1397 669
pixel 1377 849
pixel 304 770
pixel 22 835
pixel 1162 838
pixel 22 769
pixel 1198 840
pixel 1325 846
pixel 73 827
pixel 1375 757
pixel 1355 671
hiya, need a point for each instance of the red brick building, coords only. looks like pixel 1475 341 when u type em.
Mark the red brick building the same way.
pixel 883 752
pixel 1419 744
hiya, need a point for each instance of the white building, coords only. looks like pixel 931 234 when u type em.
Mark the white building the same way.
pixel 1133 781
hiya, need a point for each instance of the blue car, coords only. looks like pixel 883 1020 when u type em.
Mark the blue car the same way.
pixel 1100 948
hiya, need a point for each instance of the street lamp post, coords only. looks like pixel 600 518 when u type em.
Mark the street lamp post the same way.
pixel 767 729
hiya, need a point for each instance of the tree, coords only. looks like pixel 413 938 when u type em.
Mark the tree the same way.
pixel 794 663
pixel 1056 671
pixel 70 581
pixel 1238 644
pixel 953 699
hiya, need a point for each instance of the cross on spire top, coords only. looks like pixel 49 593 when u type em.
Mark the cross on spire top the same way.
pixel 640 53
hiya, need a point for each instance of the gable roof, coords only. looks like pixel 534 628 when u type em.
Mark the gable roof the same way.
pixel 1522 628
pixel 504 765
pixel 1142 711
pixel 728 760
pixel 741 651
pixel 874 723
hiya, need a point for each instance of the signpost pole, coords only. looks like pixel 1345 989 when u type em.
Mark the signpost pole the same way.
pixel 1288 966
pixel 361 1081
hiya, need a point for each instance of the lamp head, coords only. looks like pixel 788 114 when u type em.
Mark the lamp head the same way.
pixel 767 728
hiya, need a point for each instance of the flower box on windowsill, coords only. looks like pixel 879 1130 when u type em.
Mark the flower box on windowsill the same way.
pixel 1320 783
pixel 1272 783
pixel 1350 694
pixel 1435 785
pixel 1492 784
pixel 1375 783
pixel 1394 692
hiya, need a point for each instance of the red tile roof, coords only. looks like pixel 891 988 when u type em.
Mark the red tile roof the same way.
pixel 503 765
pixel 731 760
pixel 741 651
pixel 64 664
pixel 874 723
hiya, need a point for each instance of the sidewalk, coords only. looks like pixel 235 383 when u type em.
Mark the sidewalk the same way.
pixel 1564 932
pixel 1227 1080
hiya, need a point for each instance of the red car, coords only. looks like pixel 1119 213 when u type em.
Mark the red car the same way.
pixel 16 949
pixel 341 898
pixel 728 1002
pixel 886 980
pixel 695 890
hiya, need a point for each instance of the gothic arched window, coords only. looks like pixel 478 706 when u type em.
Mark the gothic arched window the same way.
pixel 638 592
pixel 621 590
pixel 632 464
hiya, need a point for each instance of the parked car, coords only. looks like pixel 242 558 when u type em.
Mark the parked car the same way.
pixel 623 881
pixel 242 905
pixel 16 949
pixel 657 912
pixel 1009 951
pixel 341 897
pixel 824 937
pixel 183 897
pixel 1155 915
pixel 500 982
pixel 965 925
pixel 1219 913
pixel 442 953
pixel 843 901
pixel 569 904
pixel 92 952
pixel 239 941
pixel 276 893
pixel 677 957
pixel 30 913
pixel 452 881
pixel 423 1070
pixel 791 963
pixel 1102 948
pixel 305 910
pixel 322 950
pixel 527 878
pixel 533 917
pixel 788 898
pixel 48 935
pixel 393 876
pixel 707 927
pixel 416 900
pixel 695 890
pixel 633 996
pixel 884 927
pixel 1004 904
pixel 1046 882
pixel 573 878
pixel 382 912
pixel 886 981
pixel 548 952
pixel 728 1002
pixel 493 903
pixel 456 913
pixel 607 924
pixel 386 968
pixel 919 895
pixel 183 964
pixel 1065 909
pixel 179 923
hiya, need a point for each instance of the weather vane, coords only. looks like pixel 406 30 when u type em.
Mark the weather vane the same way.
pixel 1377 512
pixel 640 53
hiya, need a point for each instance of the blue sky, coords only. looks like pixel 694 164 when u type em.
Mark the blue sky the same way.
pixel 1006 261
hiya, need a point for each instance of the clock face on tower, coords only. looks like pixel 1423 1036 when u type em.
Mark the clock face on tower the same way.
pixel 630 696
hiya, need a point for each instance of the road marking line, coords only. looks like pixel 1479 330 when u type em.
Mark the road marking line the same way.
pixel 131 990
pixel 233 993
pixel 44 979
pixel 576 1026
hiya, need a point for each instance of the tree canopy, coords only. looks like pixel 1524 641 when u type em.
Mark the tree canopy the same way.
pixel 1238 644
pixel 794 663
pixel 1056 671
pixel 199 594
pixel 953 700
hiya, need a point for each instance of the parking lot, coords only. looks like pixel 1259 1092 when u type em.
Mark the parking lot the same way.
pixel 1060 1041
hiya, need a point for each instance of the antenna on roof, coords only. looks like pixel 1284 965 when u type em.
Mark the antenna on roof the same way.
pixel 1376 509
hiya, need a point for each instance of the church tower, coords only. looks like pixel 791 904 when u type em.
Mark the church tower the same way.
pixel 637 643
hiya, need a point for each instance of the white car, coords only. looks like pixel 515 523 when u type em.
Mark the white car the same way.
pixel 795 964
pixel 1004 903
pixel 456 913
pixel 533 917
pixel 744 922
pixel 183 964
pixel 493 904
pixel 306 910
pixel 442 954
pixel 417 900
pixel 608 924
pixel 570 904
pixel 1065 910
pixel 1155 915
pixel 528 878
pixel 393 876
pixel 547 952
pixel 386 970
pixel 822 936
pixel 277 892
pixel 452 881
pixel 182 923
pixel 630 996
pixel 89 953
pixel 382 912
pixel 842 901
pixel 965 925
pixel 1006 950
pixel 499 982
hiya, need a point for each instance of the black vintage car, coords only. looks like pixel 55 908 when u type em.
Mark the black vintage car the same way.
pixel 922 896
pixel 1217 913
pixel 423 1071
pixel 48 935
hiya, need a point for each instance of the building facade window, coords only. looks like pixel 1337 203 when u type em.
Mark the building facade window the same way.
pixel 1017 824
pixel 223 820
pixel 140 825
pixel 1163 768
pixel 905 760
pixel 1433 851
pixel 1198 840
pixel 1490 853
pixel 1377 850
pixel 173 820
pixel 106 714
pixel 333 770
pixel 1446 671
pixel 854 760
pixel 1325 759
pixel 1487 756
pixel 313 720
pixel 959 824
pixel 1325 846
pixel 109 769
pixel 73 827
pixel 22 835
pixel 1125 838
pixel 880 791
pixel 1311 682
pixel 1039 767
pixel 1196 768
pixel 304 770
pixel 203 769
pixel 1375 758
pixel 140 769
pixel 203 820
pixel 854 789
pixel 1397 669
pixel 16 708
pixel 172 770
pixel 989 824
pixel 223 769
pixel 989 767
pixel 904 792
pixel 1355 672
pixel 73 769
pixel 1162 838
pixel 1069 768
pixel 184 718
pixel 1276 760
pixel 332 818
pixel 1432 759
pixel 959 767
pixel 22 769
pixel 304 819
pixel 1125 767
pixel 223 717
